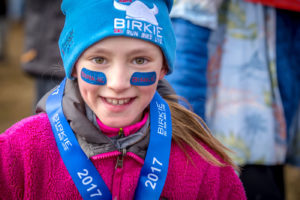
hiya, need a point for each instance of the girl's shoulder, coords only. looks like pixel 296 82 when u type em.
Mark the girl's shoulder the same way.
pixel 29 130
pixel 186 154
pixel 186 158
pixel 210 180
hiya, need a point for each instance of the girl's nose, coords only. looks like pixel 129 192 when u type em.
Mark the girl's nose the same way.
pixel 118 79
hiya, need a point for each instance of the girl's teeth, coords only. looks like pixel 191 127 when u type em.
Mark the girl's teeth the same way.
pixel 117 102
pixel 109 100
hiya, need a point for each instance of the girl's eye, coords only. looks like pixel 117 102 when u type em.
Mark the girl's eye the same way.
pixel 99 60
pixel 140 61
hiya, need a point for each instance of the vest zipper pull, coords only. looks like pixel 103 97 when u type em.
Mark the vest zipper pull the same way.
pixel 121 132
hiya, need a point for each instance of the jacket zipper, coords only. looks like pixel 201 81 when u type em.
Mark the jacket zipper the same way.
pixel 120 159
pixel 118 171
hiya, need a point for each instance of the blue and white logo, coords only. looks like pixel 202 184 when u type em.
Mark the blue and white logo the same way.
pixel 140 20
pixel 138 11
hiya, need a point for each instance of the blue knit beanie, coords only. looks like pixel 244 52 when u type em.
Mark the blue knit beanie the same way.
pixel 89 21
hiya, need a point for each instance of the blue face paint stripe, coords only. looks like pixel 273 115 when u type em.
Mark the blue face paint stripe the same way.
pixel 143 78
pixel 93 77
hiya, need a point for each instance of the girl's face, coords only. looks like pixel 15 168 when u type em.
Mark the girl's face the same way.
pixel 118 103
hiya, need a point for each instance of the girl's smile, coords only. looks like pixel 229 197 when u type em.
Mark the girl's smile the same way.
pixel 118 103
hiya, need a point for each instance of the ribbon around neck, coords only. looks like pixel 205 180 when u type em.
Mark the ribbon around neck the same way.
pixel 84 174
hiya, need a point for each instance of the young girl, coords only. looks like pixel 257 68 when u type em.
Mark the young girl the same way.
pixel 105 133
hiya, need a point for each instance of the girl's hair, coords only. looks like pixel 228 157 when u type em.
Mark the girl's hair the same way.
pixel 189 128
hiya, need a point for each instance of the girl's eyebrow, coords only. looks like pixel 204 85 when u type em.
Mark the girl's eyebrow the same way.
pixel 138 50
pixel 141 51
pixel 98 50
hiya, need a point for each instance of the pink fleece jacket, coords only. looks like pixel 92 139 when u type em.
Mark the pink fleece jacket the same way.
pixel 31 168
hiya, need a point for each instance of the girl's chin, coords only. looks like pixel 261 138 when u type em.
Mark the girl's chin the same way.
pixel 120 123
pixel 120 120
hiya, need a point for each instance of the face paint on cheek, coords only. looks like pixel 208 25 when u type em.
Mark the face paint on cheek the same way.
pixel 93 77
pixel 143 78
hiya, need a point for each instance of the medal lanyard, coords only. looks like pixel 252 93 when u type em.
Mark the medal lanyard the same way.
pixel 84 174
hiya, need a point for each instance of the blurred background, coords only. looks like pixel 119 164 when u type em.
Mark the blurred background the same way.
pixel 17 88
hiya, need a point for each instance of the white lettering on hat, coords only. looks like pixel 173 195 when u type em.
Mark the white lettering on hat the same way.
pixel 147 31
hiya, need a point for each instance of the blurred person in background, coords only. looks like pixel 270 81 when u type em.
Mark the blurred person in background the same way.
pixel 244 108
pixel 232 83
pixel 193 22
pixel 15 10
pixel 2 27
pixel 41 59
pixel 288 70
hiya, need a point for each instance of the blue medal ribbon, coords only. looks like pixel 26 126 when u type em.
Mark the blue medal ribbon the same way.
pixel 84 174
pixel 155 168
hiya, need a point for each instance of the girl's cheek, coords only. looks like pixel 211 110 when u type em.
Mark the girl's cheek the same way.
pixel 149 89
pixel 86 87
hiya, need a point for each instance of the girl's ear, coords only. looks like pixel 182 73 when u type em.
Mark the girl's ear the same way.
pixel 164 69
pixel 74 71
pixel 163 72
